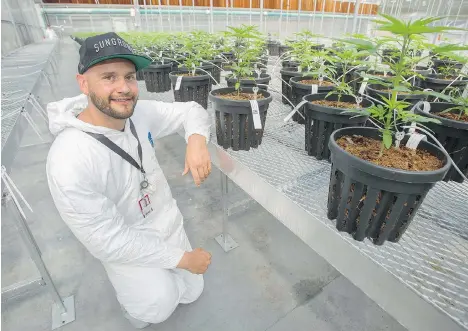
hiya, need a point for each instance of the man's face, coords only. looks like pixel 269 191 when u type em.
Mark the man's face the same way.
pixel 112 87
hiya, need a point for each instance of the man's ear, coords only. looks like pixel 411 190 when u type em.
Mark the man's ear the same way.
pixel 82 83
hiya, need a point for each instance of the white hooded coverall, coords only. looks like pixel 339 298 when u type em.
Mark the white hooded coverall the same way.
pixel 97 194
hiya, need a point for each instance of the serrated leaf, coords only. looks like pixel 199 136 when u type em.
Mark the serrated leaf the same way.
pixel 387 139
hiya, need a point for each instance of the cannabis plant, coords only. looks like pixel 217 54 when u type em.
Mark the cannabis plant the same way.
pixel 392 112
pixel 247 47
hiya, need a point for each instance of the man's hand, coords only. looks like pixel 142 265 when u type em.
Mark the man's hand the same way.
pixel 196 262
pixel 197 159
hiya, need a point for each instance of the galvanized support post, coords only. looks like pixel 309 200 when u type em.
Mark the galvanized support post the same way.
pixel 137 15
pixel 261 14
pixel 63 310
pixel 299 9
pixel 146 15
pixel 211 16
pixel 355 17
pixel 323 14
pixel 160 16
pixel 181 16
pixel 315 14
pixel 227 13
pixel 224 239
pixel 281 18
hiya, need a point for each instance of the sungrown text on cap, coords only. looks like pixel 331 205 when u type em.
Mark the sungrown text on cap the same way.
pixel 112 42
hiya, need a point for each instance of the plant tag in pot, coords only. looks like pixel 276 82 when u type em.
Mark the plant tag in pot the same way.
pixel 178 82
pixel 363 86
pixel 314 88
pixel 256 115
pixel 464 70
pixel 398 138
pixel 414 140
pixel 358 101
pixel 426 107
pixel 465 92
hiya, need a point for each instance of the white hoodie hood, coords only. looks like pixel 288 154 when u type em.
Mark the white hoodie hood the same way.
pixel 98 194
pixel 62 115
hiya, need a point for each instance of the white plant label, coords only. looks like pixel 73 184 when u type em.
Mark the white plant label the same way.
pixel 413 127
pixel 256 115
pixel 363 86
pixel 178 82
pixel 314 88
pixel 290 115
pixel 465 92
pixel 464 70
pixel 414 140
pixel 426 106
pixel 299 68
pixel 398 138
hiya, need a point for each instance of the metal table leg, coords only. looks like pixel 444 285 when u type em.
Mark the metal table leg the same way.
pixel 63 311
pixel 224 239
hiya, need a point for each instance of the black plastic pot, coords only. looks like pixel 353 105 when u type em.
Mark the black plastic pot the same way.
pixel 249 83
pixel 157 77
pixel 206 67
pixel 229 56
pixel 390 56
pixel 438 63
pixel 192 88
pixel 234 120
pixel 286 75
pixel 300 90
pixel 215 69
pixel 273 48
pixel 321 121
pixel 375 92
pixel 283 49
pixel 288 64
pixel 178 64
pixel 139 75
pixel 438 84
pixel 453 135
pixel 372 201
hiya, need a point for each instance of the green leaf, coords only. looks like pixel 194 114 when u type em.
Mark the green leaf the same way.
pixel 387 138
pixel 237 85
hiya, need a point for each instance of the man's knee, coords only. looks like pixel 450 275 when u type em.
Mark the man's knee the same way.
pixel 195 285
pixel 157 305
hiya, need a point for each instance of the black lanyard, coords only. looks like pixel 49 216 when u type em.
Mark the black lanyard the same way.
pixel 119 151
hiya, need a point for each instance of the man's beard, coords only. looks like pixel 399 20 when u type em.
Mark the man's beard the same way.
pixel 104 106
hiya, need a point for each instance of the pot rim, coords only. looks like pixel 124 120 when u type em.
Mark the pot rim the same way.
pixel 199 77
pixel 213 96
pixel 336 110
pixel 401 172
pixel 444 121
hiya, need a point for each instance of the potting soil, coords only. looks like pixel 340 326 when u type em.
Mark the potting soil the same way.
pixel 241 96
pixel 454 116
pixel 337 104
pixel 316 82
pixel 402 158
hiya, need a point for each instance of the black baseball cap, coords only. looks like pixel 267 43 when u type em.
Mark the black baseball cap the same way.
pixel 105 47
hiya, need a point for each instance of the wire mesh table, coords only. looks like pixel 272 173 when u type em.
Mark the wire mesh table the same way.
pixel 23 71
pixel 422 280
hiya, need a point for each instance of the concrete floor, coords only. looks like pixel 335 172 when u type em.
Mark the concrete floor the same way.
pixel 272 281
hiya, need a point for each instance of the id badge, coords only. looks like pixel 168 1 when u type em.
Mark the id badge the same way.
pixel 145 205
